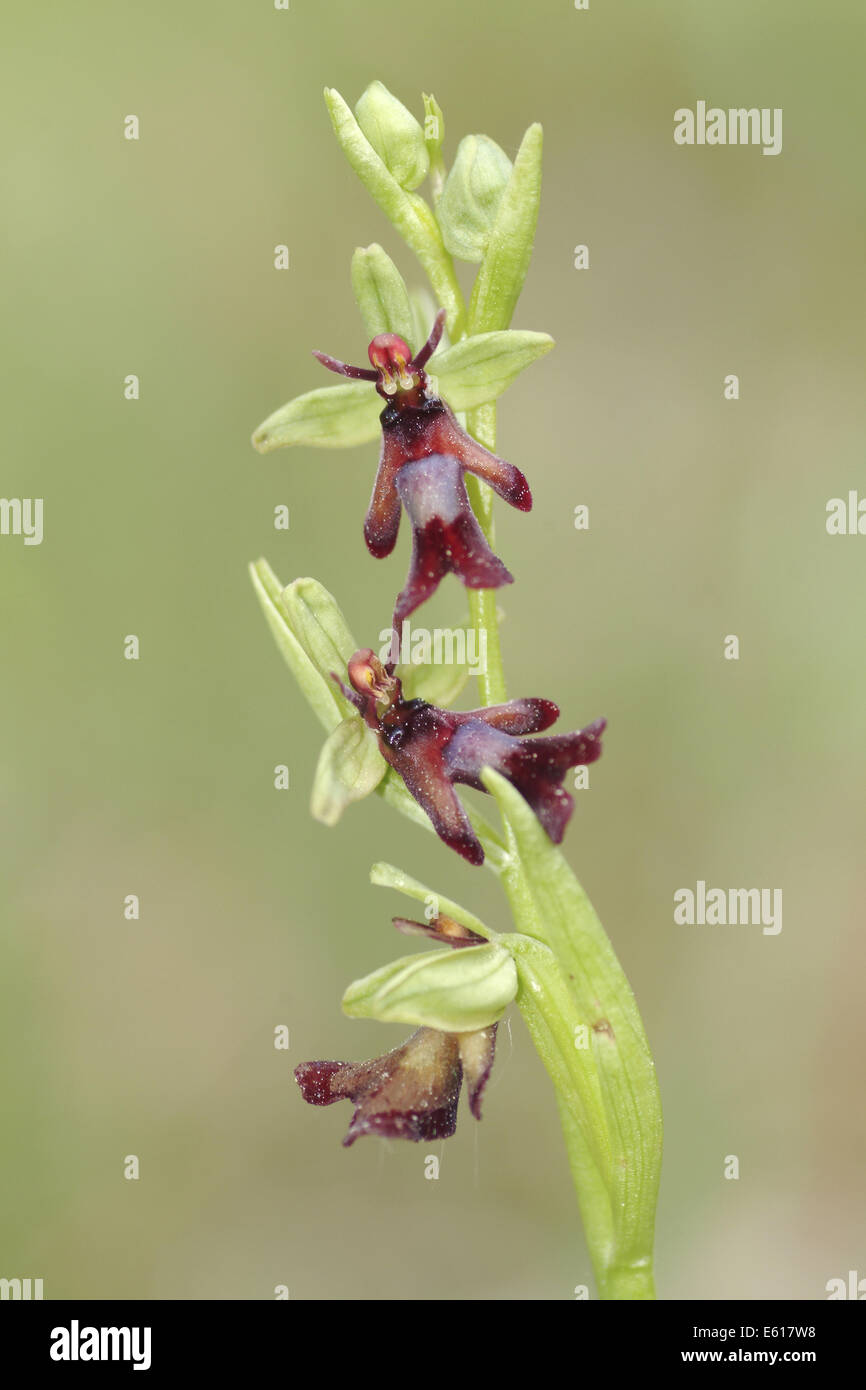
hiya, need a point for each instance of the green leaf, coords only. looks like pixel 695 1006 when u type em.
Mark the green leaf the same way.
pixel 562 1038
pixel 394 134
pixel 350 767
pixel 382 296
pixel 500 279
pixel 549 905
pixel 320 694
pixel 331 417
pixel 407 211
pixel 473 190
pixel 477 370
pixel 457 991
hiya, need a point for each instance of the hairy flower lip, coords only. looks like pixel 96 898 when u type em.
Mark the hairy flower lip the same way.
pixel 409 1093
pixel 446 536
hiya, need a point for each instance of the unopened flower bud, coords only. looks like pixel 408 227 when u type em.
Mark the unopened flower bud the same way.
pixel 395 135
pixel 470 199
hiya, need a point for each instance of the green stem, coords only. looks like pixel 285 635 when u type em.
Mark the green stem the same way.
pixel 481 423
pixel 572 986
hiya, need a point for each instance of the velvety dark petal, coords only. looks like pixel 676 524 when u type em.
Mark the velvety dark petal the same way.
pixel 413 737
pixel 536 767
pixel 446 537
pixel 410 1093
pixel 475 745
pixel 423 773
pixel 476 1053
pixel 503 477
pixel 443 930
pixel 518 716
pixel 413 431
pixel 314 1079
pixel 382 522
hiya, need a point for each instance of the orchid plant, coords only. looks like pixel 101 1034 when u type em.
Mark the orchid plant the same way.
pixel 392 730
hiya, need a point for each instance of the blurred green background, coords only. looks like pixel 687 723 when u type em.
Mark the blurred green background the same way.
pixel 156 777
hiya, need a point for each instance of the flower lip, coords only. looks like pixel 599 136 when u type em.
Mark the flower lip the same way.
pixel 410 1093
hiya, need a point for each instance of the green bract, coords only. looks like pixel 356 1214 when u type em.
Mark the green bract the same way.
pixel 473 191
pixel 455 991
pixel 394 134
pixel 500 279
pixel 477 370
pixel 350 767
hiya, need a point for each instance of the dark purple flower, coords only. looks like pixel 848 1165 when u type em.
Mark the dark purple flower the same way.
pixel 432 749
pixel 410 1093
pixel 425 456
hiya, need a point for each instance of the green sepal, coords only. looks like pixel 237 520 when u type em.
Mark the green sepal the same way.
pixel 331 417
pixel 319 623
pixel 477 370
pixel 350 767
pixel 381 295
pixel 456 991
pixel 320 693
pixel 395 135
